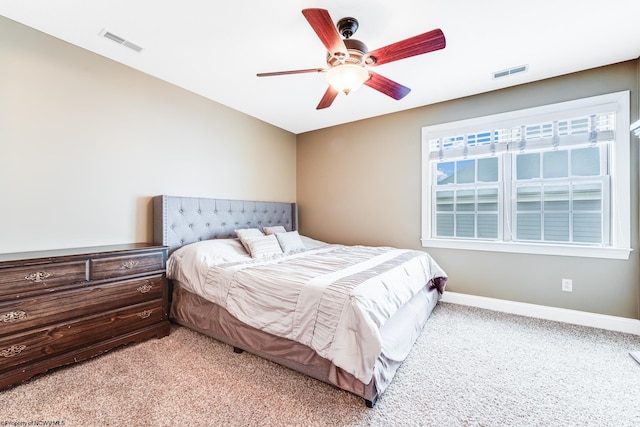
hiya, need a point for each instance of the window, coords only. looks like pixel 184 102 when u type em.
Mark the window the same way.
pixel 466 196
pixel 547 180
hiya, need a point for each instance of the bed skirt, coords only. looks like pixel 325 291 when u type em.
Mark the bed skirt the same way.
pixel 194 312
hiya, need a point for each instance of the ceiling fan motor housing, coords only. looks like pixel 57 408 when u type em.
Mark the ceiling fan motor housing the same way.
pixel 356 50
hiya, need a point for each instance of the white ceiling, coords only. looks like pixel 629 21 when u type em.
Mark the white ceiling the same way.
pixel 215 48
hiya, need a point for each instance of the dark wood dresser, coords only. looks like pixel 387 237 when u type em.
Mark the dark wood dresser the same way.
pixel 64 306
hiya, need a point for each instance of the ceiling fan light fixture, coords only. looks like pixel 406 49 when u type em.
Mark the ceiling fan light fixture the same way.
pixel 347 78
pixel 347 58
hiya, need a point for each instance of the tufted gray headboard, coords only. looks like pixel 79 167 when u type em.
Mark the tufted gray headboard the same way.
pixel 178 221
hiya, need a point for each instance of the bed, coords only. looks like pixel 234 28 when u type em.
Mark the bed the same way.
pixel 317 308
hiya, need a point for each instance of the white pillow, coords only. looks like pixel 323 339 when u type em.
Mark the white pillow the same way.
pixel 190 264
pixel 245 233
pixel 211 252
pixel 248 232
pixel 275 229
pixel 263 246
pixel 290 242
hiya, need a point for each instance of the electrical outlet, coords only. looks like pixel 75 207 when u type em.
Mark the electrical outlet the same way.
pixel 567 285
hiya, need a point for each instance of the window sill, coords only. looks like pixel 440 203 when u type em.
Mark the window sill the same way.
pixel 529 248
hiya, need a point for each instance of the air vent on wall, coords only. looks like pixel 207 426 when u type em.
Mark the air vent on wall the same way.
pixel 120 40
pixel 511 71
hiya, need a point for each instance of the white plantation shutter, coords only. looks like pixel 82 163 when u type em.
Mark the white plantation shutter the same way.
pixel 554 134
pixel 562 196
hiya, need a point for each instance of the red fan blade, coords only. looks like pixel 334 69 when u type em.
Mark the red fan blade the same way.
pixel 386 86
pixel 327 98
pixel 323 25
pixel 282 73
pixel 417 45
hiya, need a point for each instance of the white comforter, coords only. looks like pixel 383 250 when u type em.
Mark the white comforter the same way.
pixel 333 299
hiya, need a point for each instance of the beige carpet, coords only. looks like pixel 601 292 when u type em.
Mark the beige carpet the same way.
pixel 470 367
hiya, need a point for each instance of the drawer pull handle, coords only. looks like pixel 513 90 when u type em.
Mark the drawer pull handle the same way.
pixel 38 276
pixel 144 288
pixel 14 350
pixel 13 316
pixel 129 264
pixel 145 314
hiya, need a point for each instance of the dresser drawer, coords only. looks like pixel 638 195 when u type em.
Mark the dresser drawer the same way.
pixel 42 343
pixel 41 277
pixel 125 265
pixel 16 316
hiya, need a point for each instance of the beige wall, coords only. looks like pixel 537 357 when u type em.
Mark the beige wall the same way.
pixel 360 183
pixel 86 142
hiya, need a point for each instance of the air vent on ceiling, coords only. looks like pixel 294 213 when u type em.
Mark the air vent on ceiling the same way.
pixel 120 40
pixel 511 71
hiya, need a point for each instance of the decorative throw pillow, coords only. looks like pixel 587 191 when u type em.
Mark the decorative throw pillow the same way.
pixel 246 233
pixel 275 229
pixel 290 242
pixel 263 246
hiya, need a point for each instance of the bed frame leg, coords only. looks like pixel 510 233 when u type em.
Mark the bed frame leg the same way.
pixel 237 350
pixel 371 403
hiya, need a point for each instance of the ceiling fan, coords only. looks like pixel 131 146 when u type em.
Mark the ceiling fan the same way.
pixel 348 58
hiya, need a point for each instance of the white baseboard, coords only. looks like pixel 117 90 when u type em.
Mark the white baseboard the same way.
pixel 602 321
